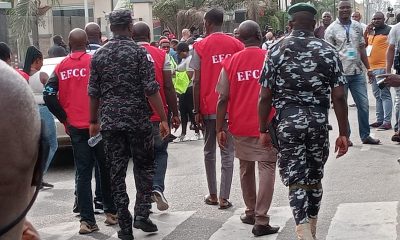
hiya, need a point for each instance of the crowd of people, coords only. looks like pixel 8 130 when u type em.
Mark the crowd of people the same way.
pixel 263 100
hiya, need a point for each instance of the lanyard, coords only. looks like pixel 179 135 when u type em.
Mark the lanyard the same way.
pixel 347 28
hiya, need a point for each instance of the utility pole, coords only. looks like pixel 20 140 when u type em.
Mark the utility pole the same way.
pixel 85 2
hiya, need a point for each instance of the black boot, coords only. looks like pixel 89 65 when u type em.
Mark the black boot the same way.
pixel 145 224
pixel 261 230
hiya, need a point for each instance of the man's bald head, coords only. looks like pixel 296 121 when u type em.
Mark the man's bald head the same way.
pixel 93 32
pixel 77 39
pixel 141 32
pixel 250 33
pixel 19 141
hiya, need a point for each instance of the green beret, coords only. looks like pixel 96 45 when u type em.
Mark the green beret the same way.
pixel 302 7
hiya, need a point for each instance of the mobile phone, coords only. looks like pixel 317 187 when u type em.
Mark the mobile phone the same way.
pixel 381 83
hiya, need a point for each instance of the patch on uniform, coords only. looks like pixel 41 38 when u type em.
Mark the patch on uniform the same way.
pixel 150 58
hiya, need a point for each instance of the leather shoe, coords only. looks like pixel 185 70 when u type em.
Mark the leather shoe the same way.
pixel 125 235
pixel 247 219
pixel 376 124
pixel 370 140
pixel 396 138
pixel 261 230
pixel 145 224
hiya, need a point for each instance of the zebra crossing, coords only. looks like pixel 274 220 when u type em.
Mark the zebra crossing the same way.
pixel 352 221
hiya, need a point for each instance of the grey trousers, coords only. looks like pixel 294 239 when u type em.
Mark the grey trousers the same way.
pixel 227 158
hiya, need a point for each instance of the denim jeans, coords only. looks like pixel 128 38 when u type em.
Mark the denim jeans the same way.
pixel 358 88
pixel 397 108
pixel 161 158
pixel 384 104
pixel 51 133
pixel 84 158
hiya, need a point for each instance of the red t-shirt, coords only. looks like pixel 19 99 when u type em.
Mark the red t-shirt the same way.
pixel 73 77
pixel 212 50
pixel 244 71
pixel 23 74
pixel 157 56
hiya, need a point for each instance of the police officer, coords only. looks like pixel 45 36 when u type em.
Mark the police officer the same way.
pixel 299 74
pixel 122 76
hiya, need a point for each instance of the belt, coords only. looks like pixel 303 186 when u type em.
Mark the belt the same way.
pixel 294 110
pixel 305 187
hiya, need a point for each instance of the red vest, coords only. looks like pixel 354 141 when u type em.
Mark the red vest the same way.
pixel 73 77
pixel 212 51
pixel 158 58
pixel 244 70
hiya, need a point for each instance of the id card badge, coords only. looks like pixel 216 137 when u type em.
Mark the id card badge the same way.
pixel 351 53
pixel 369 50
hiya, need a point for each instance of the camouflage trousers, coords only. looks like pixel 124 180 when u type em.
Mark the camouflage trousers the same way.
pixel 303 151
pixel 119 146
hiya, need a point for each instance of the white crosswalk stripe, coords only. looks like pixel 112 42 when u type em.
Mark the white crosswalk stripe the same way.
pixel 234 229
pixel 359 221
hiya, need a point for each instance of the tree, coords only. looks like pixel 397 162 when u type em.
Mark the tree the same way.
pixel 26 17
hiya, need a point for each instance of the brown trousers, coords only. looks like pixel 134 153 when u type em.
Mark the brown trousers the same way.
pixel 257 204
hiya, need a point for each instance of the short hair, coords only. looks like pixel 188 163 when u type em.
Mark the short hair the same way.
pixel 215 17
pixel 57 39
pixel 166 30
pixel 5 51
pixel 182 47
pixel 174 41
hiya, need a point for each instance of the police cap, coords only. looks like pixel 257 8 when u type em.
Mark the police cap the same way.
pixel 120 17
pixel 302 7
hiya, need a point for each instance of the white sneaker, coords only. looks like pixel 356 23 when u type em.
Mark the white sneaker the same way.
pixel 160 200
pixel 181 138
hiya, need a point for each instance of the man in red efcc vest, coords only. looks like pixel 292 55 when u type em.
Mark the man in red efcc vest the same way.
pixel 206 62
pixel 163 71
pixel 238 90
pixel 66 95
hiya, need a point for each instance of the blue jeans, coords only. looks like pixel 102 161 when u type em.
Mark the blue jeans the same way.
pixel 397 108
pixel 51 134
pixel 84 158
pixel 384 104
pixel 358 88
pixel 161 159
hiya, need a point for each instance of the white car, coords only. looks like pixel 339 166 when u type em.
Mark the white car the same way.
pixel 49 64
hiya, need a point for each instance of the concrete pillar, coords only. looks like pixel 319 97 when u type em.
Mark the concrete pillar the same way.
pixel 143 11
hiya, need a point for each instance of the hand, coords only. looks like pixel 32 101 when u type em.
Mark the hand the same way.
pixel 341 146
pixel 66 125
pixel 199 121
pixel 371 77
pixel 221 138
pixel 391 80
pixel 94 129
pixel 176 122
pixel 164 129
pixel 29 232
pixel 370 28
pixel 265 140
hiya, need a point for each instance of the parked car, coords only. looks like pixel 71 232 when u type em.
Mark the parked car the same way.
pixel 49 64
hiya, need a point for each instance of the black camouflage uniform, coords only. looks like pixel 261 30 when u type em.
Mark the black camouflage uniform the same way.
pixel 301 70
pixel 121 76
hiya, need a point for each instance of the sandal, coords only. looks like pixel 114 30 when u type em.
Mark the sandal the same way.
pixel 225 204
pixel 208 201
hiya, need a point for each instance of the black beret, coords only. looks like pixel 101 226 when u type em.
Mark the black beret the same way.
pixel 120 17
pixel 302 7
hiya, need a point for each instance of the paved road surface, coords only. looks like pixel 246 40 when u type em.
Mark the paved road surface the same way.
pixel 361 194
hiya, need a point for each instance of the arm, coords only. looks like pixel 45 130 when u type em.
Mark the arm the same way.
pixel 50 97
pixel 390 57
pixel 94 92
pixel 156 102
pixel 264 109
pixel 222 107
pixel 364 58
pixel 340 107
pixel 195 65
pixel 170 96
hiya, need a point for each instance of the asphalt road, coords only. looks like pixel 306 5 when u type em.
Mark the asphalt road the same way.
pixel 361 194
